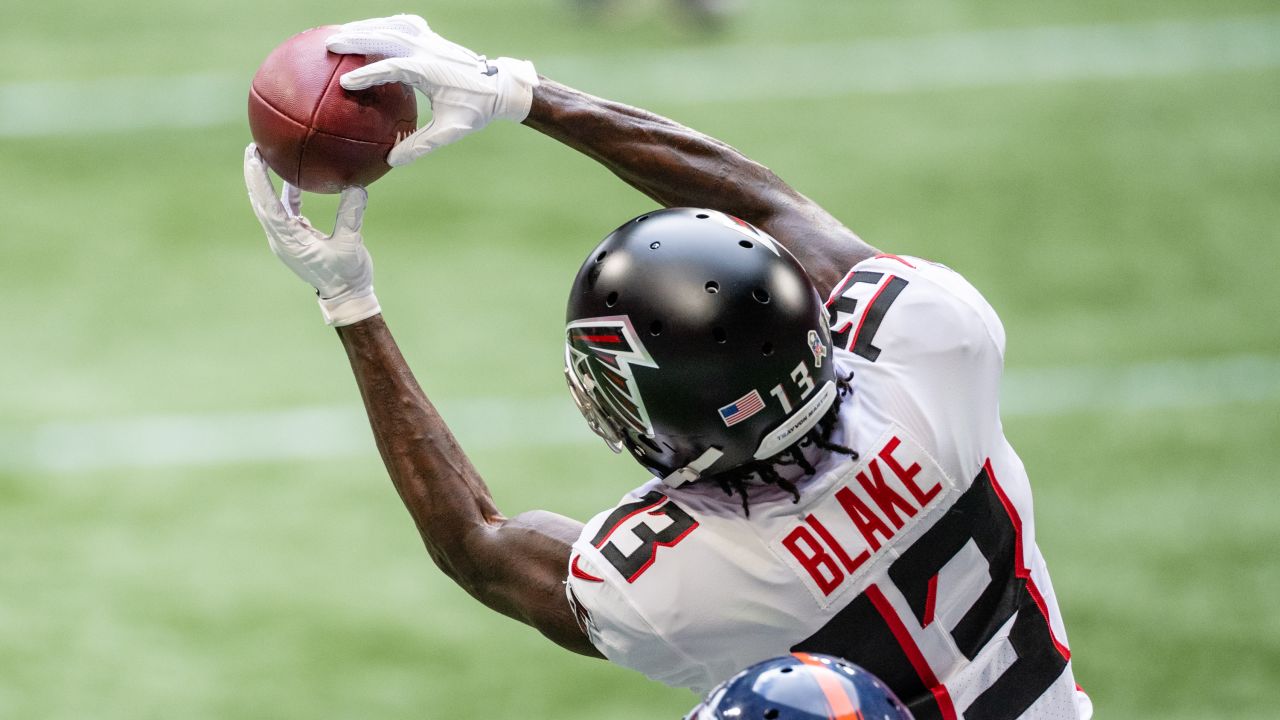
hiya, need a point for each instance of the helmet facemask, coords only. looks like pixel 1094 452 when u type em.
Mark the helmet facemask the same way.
pixel 584 392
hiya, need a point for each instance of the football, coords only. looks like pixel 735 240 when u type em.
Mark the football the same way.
pixel 312 132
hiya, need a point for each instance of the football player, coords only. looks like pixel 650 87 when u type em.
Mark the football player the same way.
pixel 801 686
pixel 829 476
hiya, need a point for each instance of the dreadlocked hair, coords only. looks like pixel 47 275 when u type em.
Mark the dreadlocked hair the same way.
pixel 766 470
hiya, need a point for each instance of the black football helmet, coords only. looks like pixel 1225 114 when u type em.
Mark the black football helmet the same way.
pixel 698 343
pixel 801 686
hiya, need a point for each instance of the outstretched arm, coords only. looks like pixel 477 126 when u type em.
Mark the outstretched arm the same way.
pixel 516 566
pixel 672 164
pixel 678 166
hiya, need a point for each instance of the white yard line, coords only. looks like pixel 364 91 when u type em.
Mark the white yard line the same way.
pixel 320 433
pixel 987 58
pixel 724 73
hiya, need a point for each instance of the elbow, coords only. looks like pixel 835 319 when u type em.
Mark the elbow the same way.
pixel 467 562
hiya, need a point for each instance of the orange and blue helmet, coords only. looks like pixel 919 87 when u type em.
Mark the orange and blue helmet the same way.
pixel 801 686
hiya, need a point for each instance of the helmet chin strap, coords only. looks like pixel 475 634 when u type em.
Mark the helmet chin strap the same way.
pixel 693 470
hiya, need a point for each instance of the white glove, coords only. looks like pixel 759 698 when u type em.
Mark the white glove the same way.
pixel 338 266
pixel 466 90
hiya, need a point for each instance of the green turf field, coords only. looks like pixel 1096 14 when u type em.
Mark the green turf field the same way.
pixel 1119 205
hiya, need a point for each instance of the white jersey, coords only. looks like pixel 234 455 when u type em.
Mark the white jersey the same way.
pixel 916 560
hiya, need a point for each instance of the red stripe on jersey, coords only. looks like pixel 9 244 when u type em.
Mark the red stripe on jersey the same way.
pixel 853 339
pixel 930 601
pixel 1020 568
pixel 582 574
pixel 912 651
pixel 895 257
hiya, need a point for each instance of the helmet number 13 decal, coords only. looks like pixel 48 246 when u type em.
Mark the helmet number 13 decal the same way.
pixel 804 383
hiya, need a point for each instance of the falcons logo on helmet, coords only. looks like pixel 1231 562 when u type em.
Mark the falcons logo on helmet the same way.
pixel 603 351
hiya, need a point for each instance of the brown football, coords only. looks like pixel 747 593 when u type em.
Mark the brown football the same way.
pixel 311 131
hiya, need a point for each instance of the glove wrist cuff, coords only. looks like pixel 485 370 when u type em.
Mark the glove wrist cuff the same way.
pixel 516 81
pixel 339 312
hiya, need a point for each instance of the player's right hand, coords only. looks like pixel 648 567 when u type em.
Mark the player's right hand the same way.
pixel 337 265
pixel 466 90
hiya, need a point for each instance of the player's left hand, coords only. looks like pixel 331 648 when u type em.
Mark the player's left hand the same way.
pixel 467 90
pixel 337 265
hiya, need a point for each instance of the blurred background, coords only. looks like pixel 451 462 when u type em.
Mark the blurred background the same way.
pixel 194 521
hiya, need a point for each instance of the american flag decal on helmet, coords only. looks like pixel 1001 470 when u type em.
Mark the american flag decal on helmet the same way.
pixel 603 351
pixel 742 408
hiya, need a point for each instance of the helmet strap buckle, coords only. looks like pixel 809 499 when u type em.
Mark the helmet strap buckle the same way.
pixel 694 469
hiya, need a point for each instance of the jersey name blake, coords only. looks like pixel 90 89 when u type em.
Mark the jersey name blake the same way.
pixel 882 503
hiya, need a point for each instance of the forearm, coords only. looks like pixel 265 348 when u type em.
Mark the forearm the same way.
pixel 516 566
pixel 679 166
pixel 673 164
pixel 438 484
pixel 513 565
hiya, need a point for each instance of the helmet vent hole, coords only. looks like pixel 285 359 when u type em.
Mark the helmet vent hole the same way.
pixel 719 334
pixel 761 295
pixel 612 299
pixel 785 670
pixel 655 245
pixel 713 287
pixel 642 218
pixel 702 216
pixel 766 349
pixel 655 327
pixel 746 244
pixel 771 714
pixel 601 255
